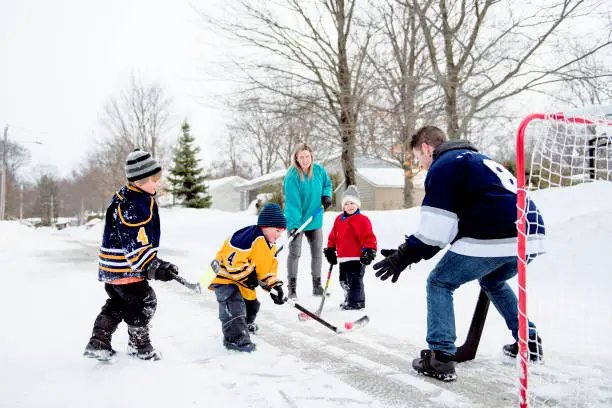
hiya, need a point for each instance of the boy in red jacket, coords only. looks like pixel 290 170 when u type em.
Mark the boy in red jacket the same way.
pixel 355 243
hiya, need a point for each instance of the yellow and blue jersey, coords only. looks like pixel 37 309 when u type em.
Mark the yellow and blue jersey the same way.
pixel 131 236
pixel 246 258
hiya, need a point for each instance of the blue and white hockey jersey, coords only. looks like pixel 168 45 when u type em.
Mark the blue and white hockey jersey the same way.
pixel 470 203
pixel 131 236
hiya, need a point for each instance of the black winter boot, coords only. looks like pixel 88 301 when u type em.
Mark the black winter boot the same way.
pixel 535 348
pixel 292 286
pixel 139 344
pixel 317 289
pixel 436 364
pixel 99 346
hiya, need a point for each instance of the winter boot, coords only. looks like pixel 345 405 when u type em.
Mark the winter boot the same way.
pixel 244 348
pixel 253 328
pixel 292 286
pixel 139 344
pixel 436 364
pixel 99 346
pixel 535 348
pixel 351 306
pixel 317 289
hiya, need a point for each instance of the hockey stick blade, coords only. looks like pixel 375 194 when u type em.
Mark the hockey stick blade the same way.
pixel 356 324
pixel 314 316
pixel 191 286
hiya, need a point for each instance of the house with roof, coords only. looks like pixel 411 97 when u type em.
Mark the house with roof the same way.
pixel 380 183
pixel 224 195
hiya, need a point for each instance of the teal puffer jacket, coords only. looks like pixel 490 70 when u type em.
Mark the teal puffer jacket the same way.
pixel 303 197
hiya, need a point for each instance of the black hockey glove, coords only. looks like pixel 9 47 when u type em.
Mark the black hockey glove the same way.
pixel 160 270
pixel 396 260
pixel 367 256
pixel 279 296
pixel 251 280
pixel 330 255
pixel 326 201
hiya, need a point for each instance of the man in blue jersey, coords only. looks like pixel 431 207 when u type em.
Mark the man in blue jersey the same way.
pixel 470 203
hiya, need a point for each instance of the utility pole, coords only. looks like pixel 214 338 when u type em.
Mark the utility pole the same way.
pixel 21 202
pixel 3 193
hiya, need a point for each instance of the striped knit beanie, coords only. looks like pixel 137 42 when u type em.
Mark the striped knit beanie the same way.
pixel 140 164
pixel 272 216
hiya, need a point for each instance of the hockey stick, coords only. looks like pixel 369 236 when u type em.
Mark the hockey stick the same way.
pixel 320 309
pixel 313 316
pixel 191 286
pixel 304 316
pixel 214 265
pixel 468 350
pixel 348 326
pixel 299 230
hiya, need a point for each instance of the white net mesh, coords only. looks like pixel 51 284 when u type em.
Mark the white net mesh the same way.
pixel 570 150
pixel 568 166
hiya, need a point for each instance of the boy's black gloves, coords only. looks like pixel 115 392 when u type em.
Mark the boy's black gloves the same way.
pixel 367 256
pixel 279 296
pixel 330 255
pixel 396 260
pixel 251 280
pixel 326 201
pixel 160 270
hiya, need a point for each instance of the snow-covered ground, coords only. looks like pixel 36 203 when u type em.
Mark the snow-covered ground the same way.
pixel 49 297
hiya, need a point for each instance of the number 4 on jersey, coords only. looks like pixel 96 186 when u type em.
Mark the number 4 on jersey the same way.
pixel 142 236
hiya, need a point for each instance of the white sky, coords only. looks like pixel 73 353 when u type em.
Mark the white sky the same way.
pixel 50 296
pixel 61 60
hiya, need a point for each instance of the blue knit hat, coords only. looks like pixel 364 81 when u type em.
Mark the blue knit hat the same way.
pixel 272 216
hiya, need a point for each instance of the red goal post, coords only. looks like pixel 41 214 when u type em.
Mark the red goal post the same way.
pixel 566 149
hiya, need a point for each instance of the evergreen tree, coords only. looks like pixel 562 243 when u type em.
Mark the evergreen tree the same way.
pixel 186 177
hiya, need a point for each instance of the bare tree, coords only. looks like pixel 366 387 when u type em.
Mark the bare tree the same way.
pixel 258 131
pixel 595 86
pixel 318 49
pixel 406 91
pixel 484 52
pixel 17 156
pixel 137 118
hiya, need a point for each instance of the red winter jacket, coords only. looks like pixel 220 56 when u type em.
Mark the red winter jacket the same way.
pixel 350 235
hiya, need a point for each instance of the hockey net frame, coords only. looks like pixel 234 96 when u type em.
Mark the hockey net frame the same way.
pixel 570 149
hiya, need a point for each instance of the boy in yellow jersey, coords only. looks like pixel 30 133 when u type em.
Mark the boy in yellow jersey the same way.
pixel 128 257
pixel 247 258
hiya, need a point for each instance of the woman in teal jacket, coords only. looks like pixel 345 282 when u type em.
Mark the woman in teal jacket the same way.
pixel 307 187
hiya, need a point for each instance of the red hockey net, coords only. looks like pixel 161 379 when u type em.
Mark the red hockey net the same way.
pixel 558 150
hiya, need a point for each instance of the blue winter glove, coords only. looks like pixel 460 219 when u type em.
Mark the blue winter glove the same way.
pixel 396 260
